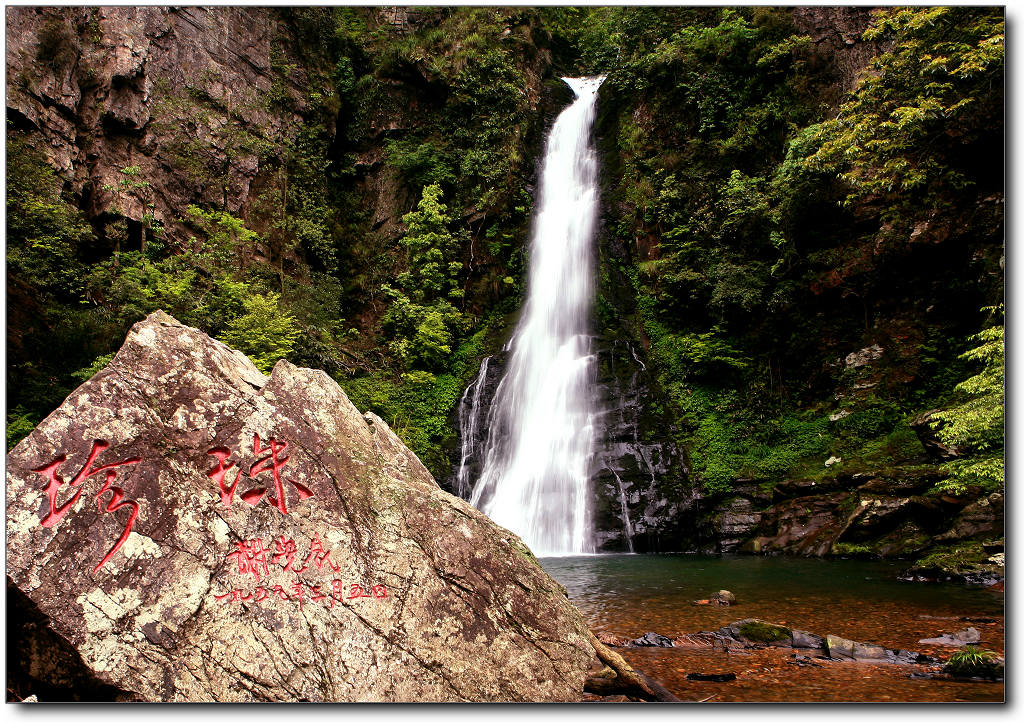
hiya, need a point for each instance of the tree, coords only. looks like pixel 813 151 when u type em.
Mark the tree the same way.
pixel 263 332
pixel 431 250
pixel 976 423
pixel 422 319
pixel 907 132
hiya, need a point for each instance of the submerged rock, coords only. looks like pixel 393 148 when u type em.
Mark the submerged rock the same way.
pixel 807 640
pixel 723 598
pixel 840 648
pixel 186 529
pixel 698 677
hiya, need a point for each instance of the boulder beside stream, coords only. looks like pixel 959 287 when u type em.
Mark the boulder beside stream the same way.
pixel 184 528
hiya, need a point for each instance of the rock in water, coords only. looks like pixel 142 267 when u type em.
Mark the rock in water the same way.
pixel 194 531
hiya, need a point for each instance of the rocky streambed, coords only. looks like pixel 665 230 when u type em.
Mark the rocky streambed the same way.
pixel 799 629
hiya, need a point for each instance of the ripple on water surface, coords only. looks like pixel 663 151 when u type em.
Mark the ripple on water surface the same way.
pixel 629 595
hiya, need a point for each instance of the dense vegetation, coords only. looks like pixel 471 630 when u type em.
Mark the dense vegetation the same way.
pixel 755 233
pixel 771 235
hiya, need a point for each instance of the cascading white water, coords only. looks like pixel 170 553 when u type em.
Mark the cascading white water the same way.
pixel 541 425
pixel 469 413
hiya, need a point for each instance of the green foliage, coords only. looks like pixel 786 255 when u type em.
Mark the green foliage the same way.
pixel 975 424
pixel 902 133
pixel 954 559
pixel 264 332
pixel 972 661
pixel 20 424
pixel 844 549
pixel 422 322
pixel 419 405
pixel 422 163
pixel 94 368
pixel 226 237
pixel 45 232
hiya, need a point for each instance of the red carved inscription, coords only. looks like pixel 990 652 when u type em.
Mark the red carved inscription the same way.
pixel 117 501
pixel 252 556
pixel 301 593
pixel 272 462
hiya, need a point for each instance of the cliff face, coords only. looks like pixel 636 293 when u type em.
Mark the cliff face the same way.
pixel 183 98
pixel 836 32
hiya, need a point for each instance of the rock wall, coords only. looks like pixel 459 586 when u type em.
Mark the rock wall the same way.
pixel 886 513
pixel 643 499
pixel 836 31
pixel 184 528
pixel 181 95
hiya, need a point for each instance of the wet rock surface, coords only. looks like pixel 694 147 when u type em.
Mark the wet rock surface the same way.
pixel 643 498
pixel 970 635
pixel 755 633
pixel 651 639
pixel 885 513
pixel 184 528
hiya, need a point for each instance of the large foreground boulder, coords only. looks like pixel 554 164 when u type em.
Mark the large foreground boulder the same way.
pixel 184 528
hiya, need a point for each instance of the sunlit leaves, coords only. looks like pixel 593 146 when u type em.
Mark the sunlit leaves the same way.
pixel 918 101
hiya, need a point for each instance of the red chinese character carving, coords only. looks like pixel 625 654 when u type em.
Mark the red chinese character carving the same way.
pixel 227 493
pixel 319 555
pixel 272 462
pixel 281 592
pixel 236 596
pixel 57 512
pixel 357 591
pixel 251 556
pixel 286 550
pixel 260 597
pixel 317 594
pixel 337 590
pixel 380 591
pixel 297 587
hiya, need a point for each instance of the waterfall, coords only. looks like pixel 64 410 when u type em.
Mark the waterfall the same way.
pixel 627 525
pixel 541 424
pixel 468 415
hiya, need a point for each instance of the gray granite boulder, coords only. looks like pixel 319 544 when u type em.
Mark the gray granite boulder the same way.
pixel 184 528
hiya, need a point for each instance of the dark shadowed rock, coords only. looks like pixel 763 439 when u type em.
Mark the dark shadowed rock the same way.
pixel 699 677
pixel 936 449
pixel 807 640
pixel 802 660
pixel 652 639
pixel 189 529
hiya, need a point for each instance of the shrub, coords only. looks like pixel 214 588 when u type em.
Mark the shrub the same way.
pixel 974 662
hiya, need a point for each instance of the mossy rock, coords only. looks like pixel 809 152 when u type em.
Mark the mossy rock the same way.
pixel 974 662
pixel 761 632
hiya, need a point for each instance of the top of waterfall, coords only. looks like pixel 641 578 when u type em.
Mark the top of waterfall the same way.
pixel 581 85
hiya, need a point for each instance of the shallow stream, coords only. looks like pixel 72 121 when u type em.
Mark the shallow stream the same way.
pixel 628 595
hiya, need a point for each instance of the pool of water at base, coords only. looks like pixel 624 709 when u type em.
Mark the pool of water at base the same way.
pixel 628 595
